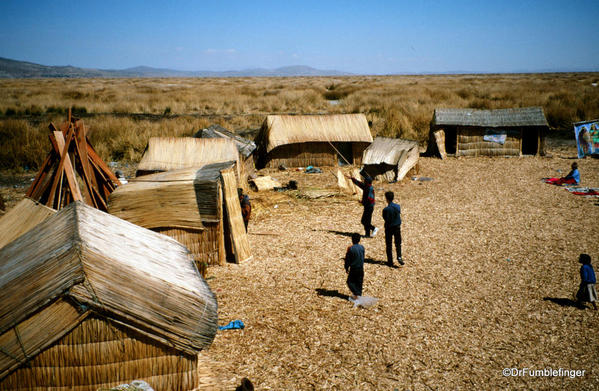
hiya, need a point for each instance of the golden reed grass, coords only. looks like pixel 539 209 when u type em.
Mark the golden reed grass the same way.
pixel 124 113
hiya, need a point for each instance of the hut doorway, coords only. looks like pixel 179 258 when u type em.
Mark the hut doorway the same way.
pixel 530 143
pixel 345 155
pixel 451 140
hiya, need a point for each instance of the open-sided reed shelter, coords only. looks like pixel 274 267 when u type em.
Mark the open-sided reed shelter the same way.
pixel 502 132
pixel 390 159
pixel 190 205
pixel 175 153
pixel 245 147
pixel 317 140
pixel 90 301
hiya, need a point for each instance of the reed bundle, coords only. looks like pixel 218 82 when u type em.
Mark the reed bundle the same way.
pixel 241 245
pixel 390 159
pixel 21 218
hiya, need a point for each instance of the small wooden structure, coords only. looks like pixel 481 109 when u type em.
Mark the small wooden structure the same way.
pixel 390 159
pixel 25 215
pixel 72 159
pixel 190 205
pixel 317 140
pixel 175 153
pixel 245 147
pixel 90 301
pixel 502 132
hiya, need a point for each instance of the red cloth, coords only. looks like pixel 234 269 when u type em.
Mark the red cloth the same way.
pixel 560 181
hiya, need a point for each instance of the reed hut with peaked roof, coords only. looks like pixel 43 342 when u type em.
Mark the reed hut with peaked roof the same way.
pixel 175 153
pixel 90 301
pixel 25 215
pixel 501 132
pixel 390 159
pixel 189 205
pixel 317 140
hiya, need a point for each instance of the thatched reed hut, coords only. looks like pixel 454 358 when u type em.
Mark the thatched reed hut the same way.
pixel 317 140
pixel 390 159
pixel 88 300
pixel 175 153
pixel 502 132
pixel 187 205
pixel 245 146
pixel 22 217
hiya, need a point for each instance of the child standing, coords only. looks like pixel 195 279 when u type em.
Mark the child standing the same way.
pixel 587 291
pixel 354 267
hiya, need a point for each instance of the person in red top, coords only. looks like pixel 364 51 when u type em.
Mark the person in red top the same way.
pixel 368 204
pixel 246 207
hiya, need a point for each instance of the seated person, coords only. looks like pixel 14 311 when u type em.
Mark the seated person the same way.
pixel 573 177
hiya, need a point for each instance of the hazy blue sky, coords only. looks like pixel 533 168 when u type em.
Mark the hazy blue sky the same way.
pixel 367 37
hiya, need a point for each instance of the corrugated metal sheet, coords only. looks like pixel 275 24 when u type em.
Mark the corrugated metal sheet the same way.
pixel 292 129
pixel 525 116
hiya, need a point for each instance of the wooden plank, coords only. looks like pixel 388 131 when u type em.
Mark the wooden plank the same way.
pixel 41 174
pixel 95 158
pixel 86 173
pixel 222 252
pixel 241 245
pixel 65 166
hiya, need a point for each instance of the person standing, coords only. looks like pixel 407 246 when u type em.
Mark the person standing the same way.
pixel 586 291
pixel 368 204
pixel 354 267
pixel 392 217
pixel 246 207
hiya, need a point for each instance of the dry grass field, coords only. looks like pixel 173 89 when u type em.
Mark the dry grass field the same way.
pixel 491 268
pixel 124 113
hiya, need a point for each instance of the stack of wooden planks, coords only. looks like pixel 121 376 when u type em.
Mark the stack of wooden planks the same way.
pixel 72 166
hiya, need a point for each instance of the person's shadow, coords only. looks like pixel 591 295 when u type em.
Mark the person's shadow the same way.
pixel 331 293
pixel 380 263
pixel 564 302
pixel 340 233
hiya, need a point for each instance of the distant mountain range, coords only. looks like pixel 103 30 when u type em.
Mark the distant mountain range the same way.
pixel 21 69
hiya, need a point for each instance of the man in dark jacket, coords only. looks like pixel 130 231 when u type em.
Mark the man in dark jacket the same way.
pixel 354 267
pixel 368 204
pixel 392 217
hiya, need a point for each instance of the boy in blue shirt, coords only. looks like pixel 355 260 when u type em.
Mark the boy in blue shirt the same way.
pixel 587 291
pixel 392 217
pixel 354 267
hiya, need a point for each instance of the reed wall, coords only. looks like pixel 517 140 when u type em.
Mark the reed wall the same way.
pixel 470 143
pixel 98 354
pixel 203 244
pixel 310 154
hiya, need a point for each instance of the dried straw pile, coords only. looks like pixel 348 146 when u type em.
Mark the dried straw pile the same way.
pixel 488 246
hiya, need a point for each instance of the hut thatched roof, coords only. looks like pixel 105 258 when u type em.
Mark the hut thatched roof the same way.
pixel 244 146
pixel 387 150
pixel 174 153
pixel 99 264
pixel 279 130
pixel 179 198
pixel 525 116
pixel 21 218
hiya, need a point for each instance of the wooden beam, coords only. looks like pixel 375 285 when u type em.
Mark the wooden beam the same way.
pixel 65 166
pixel 94 157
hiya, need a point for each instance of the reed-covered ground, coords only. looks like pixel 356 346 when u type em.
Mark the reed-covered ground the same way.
pixel 124 113
pixel 491 269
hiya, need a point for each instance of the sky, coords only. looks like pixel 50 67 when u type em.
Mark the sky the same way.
pixel 361 37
